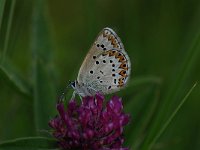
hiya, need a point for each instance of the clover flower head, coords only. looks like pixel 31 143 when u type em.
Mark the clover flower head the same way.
pixel 90 125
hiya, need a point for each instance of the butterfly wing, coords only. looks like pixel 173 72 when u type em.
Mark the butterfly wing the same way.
pixel 108 38
pixel 106 67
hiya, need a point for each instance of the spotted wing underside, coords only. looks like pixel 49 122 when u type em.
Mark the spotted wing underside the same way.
pixel 106 67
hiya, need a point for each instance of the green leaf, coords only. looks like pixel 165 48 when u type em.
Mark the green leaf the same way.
pixel 29 143
pixel 43 85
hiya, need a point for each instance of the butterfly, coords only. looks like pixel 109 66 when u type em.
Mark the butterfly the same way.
pixel 106 68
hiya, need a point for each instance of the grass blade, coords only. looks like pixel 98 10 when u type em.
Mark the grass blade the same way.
pixel 141 107
pixel 43 87
pixel 26 143
pixel 174 93
pixel 2 6
pixel 14 78
pixel 164 127
pixel 7 36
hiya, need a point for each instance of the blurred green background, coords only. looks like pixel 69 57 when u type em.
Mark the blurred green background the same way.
pixel 43 43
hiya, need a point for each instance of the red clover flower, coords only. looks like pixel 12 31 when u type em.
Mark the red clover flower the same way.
pixel 90 126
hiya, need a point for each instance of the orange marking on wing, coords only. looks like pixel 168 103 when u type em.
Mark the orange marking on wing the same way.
pixel 117 55
pixel 113 41
pixel 110 37
pixel 112 53
pixel 123 73
pixel 123 66
pixel 120 82
pixel 105 53
pixel 109 52
pixel 121 57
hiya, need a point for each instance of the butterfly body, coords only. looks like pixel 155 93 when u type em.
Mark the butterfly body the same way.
pixel 106 67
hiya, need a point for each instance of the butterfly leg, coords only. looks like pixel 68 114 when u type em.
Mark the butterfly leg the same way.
pixel 80 97
pixel 73 95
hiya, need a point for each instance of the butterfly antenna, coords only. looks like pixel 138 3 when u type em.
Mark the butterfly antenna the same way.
pixel 62 96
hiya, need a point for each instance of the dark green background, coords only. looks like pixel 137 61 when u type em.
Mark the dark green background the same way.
pixel 43 43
